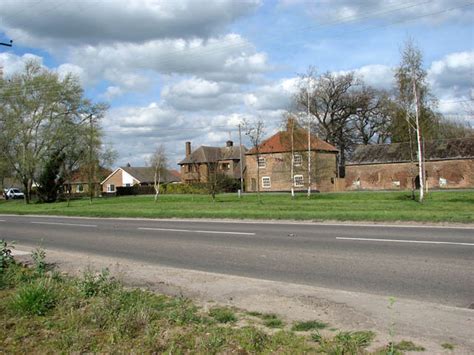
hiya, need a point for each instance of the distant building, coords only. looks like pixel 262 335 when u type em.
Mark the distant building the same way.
pixel 448 164
pixel 131 176
pixel 275 160
pixel 79 180
pixel 200 163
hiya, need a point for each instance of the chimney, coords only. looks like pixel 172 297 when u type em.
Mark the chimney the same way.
pixel 229 143
pixel 188 149
pixel 290 124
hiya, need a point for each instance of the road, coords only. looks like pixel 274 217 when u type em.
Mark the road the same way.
pixel 433 264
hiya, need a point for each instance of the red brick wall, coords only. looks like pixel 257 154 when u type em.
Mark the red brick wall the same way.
pixel 278 168
pixel 440 174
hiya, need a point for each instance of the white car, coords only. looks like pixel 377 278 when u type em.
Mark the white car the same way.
pixel 13 193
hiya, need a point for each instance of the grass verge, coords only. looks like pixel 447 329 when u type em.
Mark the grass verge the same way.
pixel 439 206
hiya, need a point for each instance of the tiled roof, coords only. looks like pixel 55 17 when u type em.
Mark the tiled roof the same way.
pixel 147 174
pixel 448 149
pixel 281 142
pixel 205 154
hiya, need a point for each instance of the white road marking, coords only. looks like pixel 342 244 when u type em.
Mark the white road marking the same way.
pixel 404 241
pixel 16 252
pixel 193 231
pixel 2 220
pixel 67 224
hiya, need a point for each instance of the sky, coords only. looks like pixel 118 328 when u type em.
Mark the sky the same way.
pixel 192 70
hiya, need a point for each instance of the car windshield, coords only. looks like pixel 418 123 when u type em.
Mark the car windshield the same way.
pixel 16 191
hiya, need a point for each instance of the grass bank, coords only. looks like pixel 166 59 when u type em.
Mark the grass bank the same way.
pixel 439 206
pixel 44 311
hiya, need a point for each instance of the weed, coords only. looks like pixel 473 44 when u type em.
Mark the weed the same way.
pixel 223 315
pixel 345 342
pixel 183 312
pixel 406 345
pixel 6 257
pixel 35 298
pixel 254 314
pixel 252 339
pixel 447 346
pixel 93 284
pixel 272 321
pixel 316 337
pixel 39 258
pixel 308 325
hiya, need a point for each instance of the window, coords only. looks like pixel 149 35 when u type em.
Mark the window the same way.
pixel 127 185
pixel 298 180
pixel 225 166
pixel 79 188
pixel 266 182
pixel 111 188
pixel 261 163
pixel 297 159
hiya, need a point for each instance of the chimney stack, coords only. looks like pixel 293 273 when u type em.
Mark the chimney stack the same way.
pixel 188 149
pixel 290 124
pixel 229 143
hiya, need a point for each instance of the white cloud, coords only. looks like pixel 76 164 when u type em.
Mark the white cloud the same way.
pixel 93 22
pixel 349 11
pixel 225 58
pixel 12 63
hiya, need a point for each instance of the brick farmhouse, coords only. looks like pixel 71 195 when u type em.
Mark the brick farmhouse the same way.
pixel 275 161
pixel 197 166
pixel 448 164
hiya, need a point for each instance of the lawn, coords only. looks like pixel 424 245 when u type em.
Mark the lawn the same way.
pixel 439 206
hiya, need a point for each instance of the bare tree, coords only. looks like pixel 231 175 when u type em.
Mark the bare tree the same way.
pixel 373 115
pixel 333 104
pixel 158 161
pixel 255 130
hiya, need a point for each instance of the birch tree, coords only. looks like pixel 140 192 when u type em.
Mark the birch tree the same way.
pixel 158 162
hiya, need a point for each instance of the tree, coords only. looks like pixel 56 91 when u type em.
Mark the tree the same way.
pixel 158 161
pixel 420 120
pixel 42 114
pixel 255 130
pixel 50 180
pixel 373 116
pixel 333 103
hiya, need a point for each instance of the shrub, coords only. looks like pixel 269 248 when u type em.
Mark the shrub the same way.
pixel 223 315
pixel 35 298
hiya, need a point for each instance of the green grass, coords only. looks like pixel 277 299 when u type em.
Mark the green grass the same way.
pixel 407 345
pixel 52 313
pixel 223 315
pixel 308 325
pixel 271 320
pixel 447 346
pixel 439 206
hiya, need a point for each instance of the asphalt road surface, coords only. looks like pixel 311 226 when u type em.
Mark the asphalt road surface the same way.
pixel 433 264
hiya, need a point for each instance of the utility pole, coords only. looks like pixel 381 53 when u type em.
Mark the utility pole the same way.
pixel 91 165
pixel 309 141
pixel 7 44
pixel 418 138
pixel 292 158
pixel 241 162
